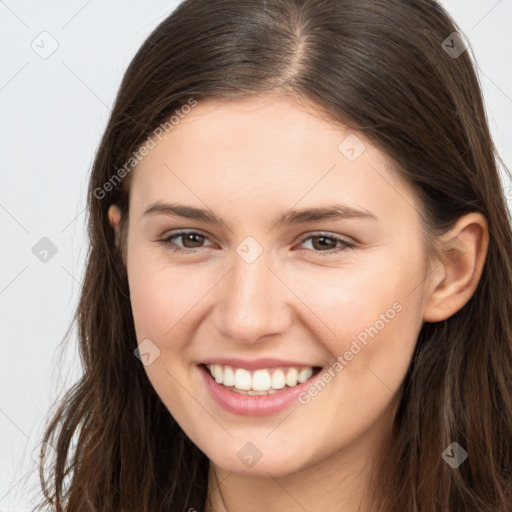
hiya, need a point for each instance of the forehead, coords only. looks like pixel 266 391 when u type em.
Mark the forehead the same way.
pixel 266 152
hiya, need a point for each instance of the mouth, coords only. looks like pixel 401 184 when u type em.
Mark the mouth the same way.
pixel 262 381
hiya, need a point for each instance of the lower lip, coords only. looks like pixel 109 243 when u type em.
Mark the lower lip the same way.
pixel 253 405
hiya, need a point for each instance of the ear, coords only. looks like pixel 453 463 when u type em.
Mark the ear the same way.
pixel 114 217
pixel 463 251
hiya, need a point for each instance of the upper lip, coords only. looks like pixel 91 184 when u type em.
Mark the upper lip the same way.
pixel 254 364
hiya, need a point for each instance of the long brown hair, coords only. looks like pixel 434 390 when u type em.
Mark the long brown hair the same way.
pixel 382 68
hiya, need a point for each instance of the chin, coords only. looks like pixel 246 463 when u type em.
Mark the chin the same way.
pixel 248 461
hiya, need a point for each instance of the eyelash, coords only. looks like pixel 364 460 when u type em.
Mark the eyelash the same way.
pixel 345 244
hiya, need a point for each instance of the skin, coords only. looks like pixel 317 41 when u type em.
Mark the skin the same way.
pixel 248 161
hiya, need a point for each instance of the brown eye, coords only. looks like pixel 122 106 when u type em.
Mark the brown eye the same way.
pixel 323 242
pixel 189 240
pixel 192 240
pixel 326 245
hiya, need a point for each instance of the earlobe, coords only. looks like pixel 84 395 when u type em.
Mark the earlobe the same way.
pixel 114 217
pixel 462 254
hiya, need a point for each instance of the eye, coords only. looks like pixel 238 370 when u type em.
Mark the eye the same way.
pixel 191 240
pixel 325 244
pixel 321 243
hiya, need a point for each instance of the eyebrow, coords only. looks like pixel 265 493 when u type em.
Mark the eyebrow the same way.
pixel 335 211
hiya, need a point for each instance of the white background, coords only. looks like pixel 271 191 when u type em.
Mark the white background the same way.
pixel 52 114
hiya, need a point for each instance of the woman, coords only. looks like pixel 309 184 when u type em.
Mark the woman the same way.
pixel 298 293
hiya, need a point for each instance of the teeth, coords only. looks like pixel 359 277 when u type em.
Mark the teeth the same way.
pixel 251 392
pixel 217 374
pixel 242 378
pixel 261 382
pixel 304 374
pixel 291 377
pixel 228 378
pixel 278 379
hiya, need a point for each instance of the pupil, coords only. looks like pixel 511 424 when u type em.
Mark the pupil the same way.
pixel 323 245
pixel 190 236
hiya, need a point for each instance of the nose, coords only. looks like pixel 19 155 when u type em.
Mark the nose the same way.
pixel 252 302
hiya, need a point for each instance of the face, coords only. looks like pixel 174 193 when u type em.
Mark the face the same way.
pixel 267 296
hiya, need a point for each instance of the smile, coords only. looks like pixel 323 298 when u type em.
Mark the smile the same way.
pixel 261 381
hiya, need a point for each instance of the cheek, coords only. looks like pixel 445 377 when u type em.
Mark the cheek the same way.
pixel 376 297
pixel 161 296
pixel 153 305
pixel 162 300
pixel 368 319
